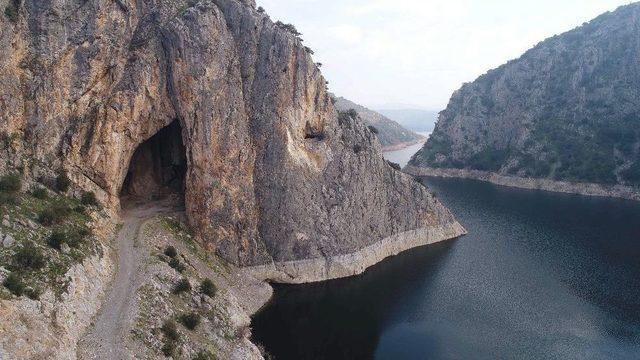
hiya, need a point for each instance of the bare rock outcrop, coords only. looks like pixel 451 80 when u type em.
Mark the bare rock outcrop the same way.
pixel 271 174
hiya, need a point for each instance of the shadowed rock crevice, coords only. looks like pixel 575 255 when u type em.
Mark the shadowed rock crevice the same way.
pixel 157 167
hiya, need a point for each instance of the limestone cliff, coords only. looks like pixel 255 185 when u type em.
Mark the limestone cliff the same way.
pixel 392 136
pixel 565 111
pixel 269 172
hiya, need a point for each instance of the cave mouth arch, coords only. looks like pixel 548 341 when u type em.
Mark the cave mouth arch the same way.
pixel 157 168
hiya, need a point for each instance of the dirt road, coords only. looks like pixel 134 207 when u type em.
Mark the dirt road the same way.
pixel 107 338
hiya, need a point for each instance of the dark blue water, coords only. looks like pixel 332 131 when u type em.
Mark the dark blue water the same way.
pixel 540 276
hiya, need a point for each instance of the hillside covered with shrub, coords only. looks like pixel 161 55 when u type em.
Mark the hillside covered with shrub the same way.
pixel 390 134
pixel 566 110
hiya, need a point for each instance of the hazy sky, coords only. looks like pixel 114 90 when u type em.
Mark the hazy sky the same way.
pixel 417 52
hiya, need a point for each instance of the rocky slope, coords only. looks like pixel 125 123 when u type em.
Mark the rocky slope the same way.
pixel 565 111
pixel 270 172
pixel 392 136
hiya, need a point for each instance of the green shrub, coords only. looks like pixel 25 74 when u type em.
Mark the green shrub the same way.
pixel 29 257
pixel 9 199
pixel 54 214
pixel 40 193
pixel 170 330
pixel 177 265
pixel 373 129
pixel 170 251
pixel 208 288
pixel 63 182
pixel 56 239
pixel 5 139
pixel 11 13
pixel 33 293
pixel 80 209
pixel 75 237
pixel 14 284
pixel 88 198
pixel 182 286
pixel 168 348
pixel 204 355
pixel 190 320
pixel 10 183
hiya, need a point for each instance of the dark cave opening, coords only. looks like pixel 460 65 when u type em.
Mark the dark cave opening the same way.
pixel 158 167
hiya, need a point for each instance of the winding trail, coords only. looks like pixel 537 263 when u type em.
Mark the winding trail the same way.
pixel 107 338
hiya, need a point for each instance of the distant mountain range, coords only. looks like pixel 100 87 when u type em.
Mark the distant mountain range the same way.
pixel 417 120
pixel 392 135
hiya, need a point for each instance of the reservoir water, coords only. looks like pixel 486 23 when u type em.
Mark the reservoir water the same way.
pixel 403 156
pixel 540 276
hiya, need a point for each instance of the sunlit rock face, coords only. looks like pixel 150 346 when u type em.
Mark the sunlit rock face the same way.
pixel 269 171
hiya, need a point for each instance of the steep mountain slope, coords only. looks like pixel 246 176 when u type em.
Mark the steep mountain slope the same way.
pixel 207 102
pixel 391 134
pixel 269 172
pixel 567 110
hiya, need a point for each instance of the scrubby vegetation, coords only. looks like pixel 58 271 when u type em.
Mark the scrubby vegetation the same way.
pixel 28 257
pixel 11 183
pixel 40 193
pixel 177 265
pixel 39 224
pixel 170 251
pixel 11 10
pixel 208 288
pixel 171 337
pixel 88 198
pixel 556 113
pixel 190 320
pixel 54 214
pixel 63 182
pixel 204 355
pixel 289 28
pixel 14 284
pixel 181 286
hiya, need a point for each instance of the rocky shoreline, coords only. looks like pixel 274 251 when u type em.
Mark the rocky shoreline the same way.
pixel 588 189
pixel 346 265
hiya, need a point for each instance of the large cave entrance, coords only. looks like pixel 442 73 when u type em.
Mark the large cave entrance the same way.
pixel 157 168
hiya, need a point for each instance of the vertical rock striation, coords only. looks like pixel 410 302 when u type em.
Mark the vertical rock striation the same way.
pixel 272 174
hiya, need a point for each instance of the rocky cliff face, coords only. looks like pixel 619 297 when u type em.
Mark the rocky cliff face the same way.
pixel 390 134
pixel 270 173
pixel 566 110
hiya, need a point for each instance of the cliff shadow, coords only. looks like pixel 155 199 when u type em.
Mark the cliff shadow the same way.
pixel 157 169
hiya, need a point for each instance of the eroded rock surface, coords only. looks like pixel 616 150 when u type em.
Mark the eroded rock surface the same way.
pixel 272 174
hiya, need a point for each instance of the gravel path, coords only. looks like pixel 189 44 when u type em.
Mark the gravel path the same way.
pixel 107 338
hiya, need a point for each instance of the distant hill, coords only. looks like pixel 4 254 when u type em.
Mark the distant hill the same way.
pixel 391 135
pixel 413 119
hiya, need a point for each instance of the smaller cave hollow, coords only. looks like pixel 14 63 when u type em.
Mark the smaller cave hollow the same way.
pixel 157 168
